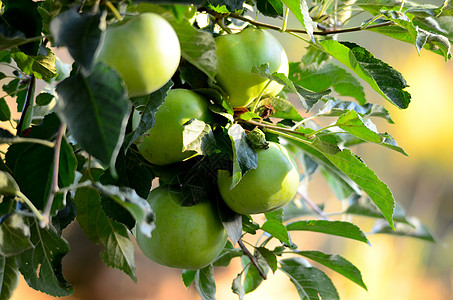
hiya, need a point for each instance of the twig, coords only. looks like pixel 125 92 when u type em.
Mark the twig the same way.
pixel 252 259
pixel 326 31
pixel 27 104
pixel 266 125
pixel 54 184
pixel 313 206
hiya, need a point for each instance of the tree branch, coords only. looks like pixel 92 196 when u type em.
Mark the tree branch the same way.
pixel 313 205
pixel 252 259
pixel 27 104
pixel 54 184
pixel 325 31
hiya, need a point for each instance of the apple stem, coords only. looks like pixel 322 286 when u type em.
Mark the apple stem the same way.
pixel 257 100
pixel 114 10
pixel 252 258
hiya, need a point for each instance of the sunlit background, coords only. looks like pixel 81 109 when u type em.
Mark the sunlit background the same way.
pixel 393 268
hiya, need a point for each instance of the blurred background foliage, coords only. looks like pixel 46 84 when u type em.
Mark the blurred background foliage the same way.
pixel 393 268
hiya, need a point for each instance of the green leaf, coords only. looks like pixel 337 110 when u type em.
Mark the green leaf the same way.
pixel 8 185
pixel 415 229
pixel 227 254
pixel 363 129
pixel 138 207
pixel 300 9
pixel 81 34
pixel 433 41
pixel 356 169
pixel 248 225
pixel 198 136
pixel 197 47
pixel 339 107
pixel 252 278
pixel 320 78
pixel 269 257
pixel 43 66
pixel 277 230
pixel 365 207
pixel 385 80
pixel 119 249
pixel 283 108
pixel 43 99
pixel 5 113
pixel 8 42
pixel 310 282
pixel 237 287
pixel 336 263
pixel 9 277
pixel 306 97
pixel 188 276
pixel 41 266
pixel 14 236
pixel 205 283
pixel 277 215
pixel 338 228
pixel 148 106
pixel 33 167
pixel 244 157
pixel 96 110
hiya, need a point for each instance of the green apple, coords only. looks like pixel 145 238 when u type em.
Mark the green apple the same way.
pixel 186 237
pixel 145 50
pixel 163 144
pixel 237 54
pixel 270 186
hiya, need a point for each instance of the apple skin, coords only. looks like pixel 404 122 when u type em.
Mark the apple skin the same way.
pixel 268 187
pixel 185 237
pixel 237 54
pixel 163 144
pixel 145 50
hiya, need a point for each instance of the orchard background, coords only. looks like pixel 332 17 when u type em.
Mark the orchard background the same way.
pixel 394 267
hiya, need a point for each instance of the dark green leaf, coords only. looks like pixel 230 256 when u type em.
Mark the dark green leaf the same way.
pixel 9 277
pixel 205 283
pixel 276 215
pixel 198 136
pixel 197 47
pixel 270 8
pixel 5 113
pixel 385 80
pixel 244 157
pixel 252 278
pixel 138 207
pixel 269 257
pixel 119 249
pixel 277 230
pixel 147 106
pixel 43 66
pixel 336 263
pixel 81 34
pixel 188 276
pixel 300 9
pixel 231 5
pixel 338 228
pixel 14 236
pixel 44 99
pixel 96 110
pixel 318 79
pixel 310 282
pixel 248 225
pixel 41 266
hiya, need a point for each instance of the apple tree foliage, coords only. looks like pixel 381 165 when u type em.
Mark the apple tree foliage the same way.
pixel 71 156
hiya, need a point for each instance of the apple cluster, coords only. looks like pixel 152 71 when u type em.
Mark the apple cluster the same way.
pixel 195 235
